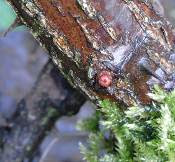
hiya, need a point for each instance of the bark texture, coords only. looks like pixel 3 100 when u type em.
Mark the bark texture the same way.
pixel 129 39
pixel 115 49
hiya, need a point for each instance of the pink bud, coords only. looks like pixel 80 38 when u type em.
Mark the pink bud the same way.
pixel 105 79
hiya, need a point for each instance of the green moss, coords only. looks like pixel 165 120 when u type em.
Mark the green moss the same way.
pixel 90 124
pixel 50 114
pixel 141 133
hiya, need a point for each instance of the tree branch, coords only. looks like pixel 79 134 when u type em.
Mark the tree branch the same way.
pixel 106 49
pixel 86 38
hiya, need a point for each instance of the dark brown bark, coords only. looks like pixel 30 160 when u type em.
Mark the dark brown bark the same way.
pixel 51 98
pixel 129 39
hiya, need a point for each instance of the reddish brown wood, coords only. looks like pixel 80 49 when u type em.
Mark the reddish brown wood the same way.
pixel 120 36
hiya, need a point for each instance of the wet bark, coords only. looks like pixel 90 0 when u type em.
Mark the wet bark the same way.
pixel 51 98
pixel 114 49
pixel 130 41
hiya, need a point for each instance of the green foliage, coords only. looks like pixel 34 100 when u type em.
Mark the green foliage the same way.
pixel 90 124
pixel 95 146
pixel 138 134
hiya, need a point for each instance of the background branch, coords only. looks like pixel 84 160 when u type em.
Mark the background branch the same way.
pixel 51 98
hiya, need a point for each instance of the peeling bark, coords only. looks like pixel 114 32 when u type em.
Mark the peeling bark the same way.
pixel 129 39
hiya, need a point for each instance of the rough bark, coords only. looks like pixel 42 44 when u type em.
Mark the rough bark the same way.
pixel 129 39
pixel 127 42
pixel 51 98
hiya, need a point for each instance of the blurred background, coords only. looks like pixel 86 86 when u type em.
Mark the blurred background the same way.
pixel 21 60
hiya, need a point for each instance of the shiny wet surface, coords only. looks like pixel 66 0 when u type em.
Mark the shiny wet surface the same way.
pixel 19 67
